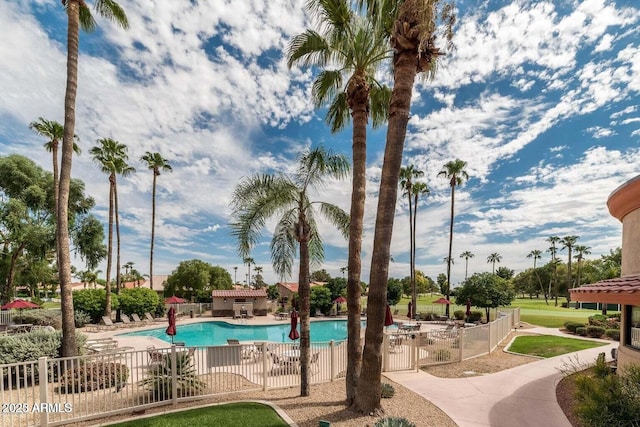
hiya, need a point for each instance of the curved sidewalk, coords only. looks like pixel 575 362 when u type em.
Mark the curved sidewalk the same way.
pixel 520 396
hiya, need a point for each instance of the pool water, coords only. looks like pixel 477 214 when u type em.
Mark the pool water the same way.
pixel 216 333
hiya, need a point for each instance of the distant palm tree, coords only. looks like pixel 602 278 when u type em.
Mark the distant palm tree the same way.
pixel 466 255
pixel 261 197
pixel 235 276
pixel 248 261
pixel 536 254
pixel 493 258
pixel 554 251
pixel 156 163
pixel 567 243
pixel 343 270
pixel 455 172
pixel 408 175
pixel 111 156
pixel 581 251
pixel 347 51
pixel 78 15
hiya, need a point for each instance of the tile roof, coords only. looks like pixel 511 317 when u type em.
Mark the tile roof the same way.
pixel 240 293
pixel 293 286
pixel 621 285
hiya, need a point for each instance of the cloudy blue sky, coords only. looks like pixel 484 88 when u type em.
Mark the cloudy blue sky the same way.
pixel 540 98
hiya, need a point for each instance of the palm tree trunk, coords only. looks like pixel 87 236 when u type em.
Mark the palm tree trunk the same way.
pixel 414 296
pixel 115 205
pixel 368 393
pixel 304 295
pixel 453 200
pixel 62 221
pixel 153 229
pixel 107 309
pixel 354 263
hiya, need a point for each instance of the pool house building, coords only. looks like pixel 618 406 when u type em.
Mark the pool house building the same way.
pixel 225 303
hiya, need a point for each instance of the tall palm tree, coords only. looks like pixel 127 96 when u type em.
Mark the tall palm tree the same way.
pixel 78 15
pixel 248 261
pixel 581 251
pixel 567 243
pixel 493 258
pixel 553 249
pixel 455 172
pixel 348 50
pixel 111 157
pixel 261 197
pixel 156 163
pixel 466 255
pixel 343 270
pixel 536 254
pixel 407 177
pixel 411 26
pixel 235 276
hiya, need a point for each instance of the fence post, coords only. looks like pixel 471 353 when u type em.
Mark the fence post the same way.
pixel 332 362
pixel 414 352
pixel 385 353
pixel 265 366
pixel 174 376
pixel 461 334
pixel 43 376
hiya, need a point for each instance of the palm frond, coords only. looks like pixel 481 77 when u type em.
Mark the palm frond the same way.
pixel 316 248
pixel 112 11
pixel 336 216
pixel 87 23
pixel 338 114
pixel 380 98
pixel 334 14
pixel 318 164
pixel 284 244
pixel 326 86
pixel 309 48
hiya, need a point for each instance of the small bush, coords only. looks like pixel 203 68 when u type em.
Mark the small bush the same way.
pixel 159 380
pixel 427 316
pixel 458 314
pixel 93 302
pixel 387 390
pixel 614 334
pixel 160 309
pixel 81 318
pixel 595 331
pixel 40 317
pixel 94 376
pixel 571 326
pixel 476 316
pixel 138 300
pixel 598 320
pixel 394 422
pixel 443 355
pixel 582 331
pixel 33 345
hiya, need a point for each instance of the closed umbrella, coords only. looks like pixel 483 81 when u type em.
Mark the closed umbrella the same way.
pixel 171 330
pixel 293 333
pixel 468 312
pixel 388 318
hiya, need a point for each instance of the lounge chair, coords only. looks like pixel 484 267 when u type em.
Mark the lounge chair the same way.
pixel 236 314
pixel 126 321
pixel 233 341
pixel 249 313
pixel 137 320
pixel 108 323
pixel 155 357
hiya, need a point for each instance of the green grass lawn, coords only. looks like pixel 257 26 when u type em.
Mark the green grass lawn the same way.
pixel 536 312
pixel 229 415
pixel 550 346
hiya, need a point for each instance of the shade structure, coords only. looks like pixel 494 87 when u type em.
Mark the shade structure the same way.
pixel 171 330
pixel 409 310
pixel 19 304
pixel 293 333
pixel 174 300
pixel 468 312
pixel 388 318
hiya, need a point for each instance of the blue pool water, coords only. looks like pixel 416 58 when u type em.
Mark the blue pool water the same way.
pixel 216 333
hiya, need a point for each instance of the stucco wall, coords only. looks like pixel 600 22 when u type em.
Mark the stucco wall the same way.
pixel 631 243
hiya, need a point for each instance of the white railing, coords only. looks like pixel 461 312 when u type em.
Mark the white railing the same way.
pixel 51 392
pixel 6 317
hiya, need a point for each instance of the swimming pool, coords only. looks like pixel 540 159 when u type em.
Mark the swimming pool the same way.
pixel 216 333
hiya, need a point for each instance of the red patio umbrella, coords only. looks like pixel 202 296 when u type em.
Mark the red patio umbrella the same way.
pixel 388 318
pixel 442 301
pixel 171 330
pixel 409 307
pixel 293 333
pixel 19 304
pixel 174 300
pixel 340 300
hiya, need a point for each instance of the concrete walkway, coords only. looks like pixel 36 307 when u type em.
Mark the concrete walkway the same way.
pixel 520 396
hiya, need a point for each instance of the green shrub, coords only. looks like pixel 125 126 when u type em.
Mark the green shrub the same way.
pixel 598 320
pixel 94 376
pixel 571 326
pixel 394 422
pixel 607 399
pixel 40 317
pixel 427 316
pixel 443 355
pixel 458 314
pixel 595 331
pixel 160 309
pixel 33 345
pixel 582 331
pixel 476 316
pixel 159 378
pixel 37 300
pixel 387 390
pixel 138 300
pixel 93 302
pixel 614 334
pixel 81 318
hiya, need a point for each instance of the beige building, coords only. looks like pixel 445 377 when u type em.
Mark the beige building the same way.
pixel 623 204
pixel 226 302
pixel 287 289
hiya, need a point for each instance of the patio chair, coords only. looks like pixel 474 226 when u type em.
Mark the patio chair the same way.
pixel 233 341
pixel 155 356
pixel 108 323
pixel 148 316
pixel 236 314
pixel 249 313
pixel 282 366
pixel 137 320
pixel 395 343
pixel 314 363
pixel 126 321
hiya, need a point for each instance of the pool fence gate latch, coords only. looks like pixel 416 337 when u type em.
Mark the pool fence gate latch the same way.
pixel 324 424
